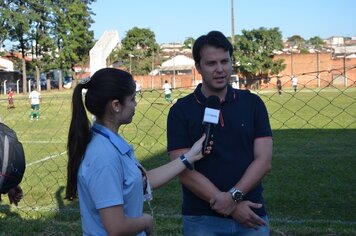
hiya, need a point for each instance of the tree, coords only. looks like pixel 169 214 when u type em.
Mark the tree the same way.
pixel 188 43
pixel 56 32
pixel 254 53
pixel 71 21
pixel 138 50
pixel 296 41
pixel 21 16
pixel 42 42
pixel 4 20
pixel 317 42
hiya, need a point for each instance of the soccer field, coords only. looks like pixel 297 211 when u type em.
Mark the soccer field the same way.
pixel 310 190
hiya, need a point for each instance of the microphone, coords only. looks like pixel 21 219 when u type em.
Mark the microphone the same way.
pixel 211 118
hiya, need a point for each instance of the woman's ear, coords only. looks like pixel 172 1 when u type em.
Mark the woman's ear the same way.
pixel 116 105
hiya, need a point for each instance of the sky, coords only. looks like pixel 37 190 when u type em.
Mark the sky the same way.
pixel 176 20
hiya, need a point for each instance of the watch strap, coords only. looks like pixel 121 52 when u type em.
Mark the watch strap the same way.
pixel 186 162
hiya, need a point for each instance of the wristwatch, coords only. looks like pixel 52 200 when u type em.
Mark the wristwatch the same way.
pixel 236 194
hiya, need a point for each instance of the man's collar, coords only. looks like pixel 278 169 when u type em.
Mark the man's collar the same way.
pixel 201 99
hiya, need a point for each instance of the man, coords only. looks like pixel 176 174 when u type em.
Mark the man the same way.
pixel 167 91
pixel 294 83
pixel 138 89
pixel 35 99
pixel 223 194
pixel 279 86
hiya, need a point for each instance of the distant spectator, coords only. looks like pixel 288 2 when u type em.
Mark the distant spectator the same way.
pixel 279 86
pixel 10 98
pixel 35 99
pixel 138 89
pixel 167 91
pixel 294 83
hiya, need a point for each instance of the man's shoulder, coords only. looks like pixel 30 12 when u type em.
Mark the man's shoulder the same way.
pixel 186 99
pixel 184 104
pixel 34 92
pixel 244 92
pixel 246 95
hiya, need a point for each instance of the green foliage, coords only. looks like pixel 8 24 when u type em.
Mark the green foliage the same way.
pixel 20 16
pixel 56 31
pixel 317 42
pixel 4 20
pixel 71 29
pixel 296 41
pixel 138 50
pixel 254 52
pixel 188 43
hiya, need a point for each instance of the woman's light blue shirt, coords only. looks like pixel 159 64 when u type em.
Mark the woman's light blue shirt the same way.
pixel 108 176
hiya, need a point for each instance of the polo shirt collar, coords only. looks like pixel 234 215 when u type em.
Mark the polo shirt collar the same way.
pixel 199 96
pixel 121 145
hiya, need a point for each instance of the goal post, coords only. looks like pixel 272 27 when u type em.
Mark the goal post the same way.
pixel 102 49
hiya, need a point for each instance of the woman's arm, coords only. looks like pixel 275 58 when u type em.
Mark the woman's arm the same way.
pixel 165 173
pixel 116 223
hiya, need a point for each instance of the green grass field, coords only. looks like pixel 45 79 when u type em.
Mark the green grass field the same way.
pixel 310 190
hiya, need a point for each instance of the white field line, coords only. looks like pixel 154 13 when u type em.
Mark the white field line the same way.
pixel 46 158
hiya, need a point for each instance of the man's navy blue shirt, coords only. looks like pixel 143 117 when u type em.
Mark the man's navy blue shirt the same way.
pixel 243 119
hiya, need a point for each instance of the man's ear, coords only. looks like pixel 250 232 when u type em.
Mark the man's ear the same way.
pixel 197 66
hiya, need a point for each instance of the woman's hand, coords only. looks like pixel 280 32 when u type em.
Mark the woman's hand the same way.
pixel 149 224
pixel 195 152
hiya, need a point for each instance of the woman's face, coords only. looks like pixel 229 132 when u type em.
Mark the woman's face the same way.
pixel 128 109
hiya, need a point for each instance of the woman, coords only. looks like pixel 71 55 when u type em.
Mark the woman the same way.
pixel 102 167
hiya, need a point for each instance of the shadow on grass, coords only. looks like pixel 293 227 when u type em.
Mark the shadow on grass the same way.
pixel 65 220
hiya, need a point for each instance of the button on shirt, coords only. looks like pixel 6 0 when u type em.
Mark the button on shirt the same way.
pixel 108 176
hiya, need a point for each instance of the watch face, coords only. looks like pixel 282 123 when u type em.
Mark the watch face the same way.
pixel 237 195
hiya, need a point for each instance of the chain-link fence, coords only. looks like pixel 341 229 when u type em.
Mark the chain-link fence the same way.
pixel 312 122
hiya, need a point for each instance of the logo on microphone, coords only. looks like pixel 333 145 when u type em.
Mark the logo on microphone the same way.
pixel 211 116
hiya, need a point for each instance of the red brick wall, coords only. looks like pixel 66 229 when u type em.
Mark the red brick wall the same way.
pixel 177 81
pixel 306 67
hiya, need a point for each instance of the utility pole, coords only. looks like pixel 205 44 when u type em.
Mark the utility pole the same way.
pixel 232 23
pixel 318 67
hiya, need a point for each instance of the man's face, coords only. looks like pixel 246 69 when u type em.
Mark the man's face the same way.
pixel 215 67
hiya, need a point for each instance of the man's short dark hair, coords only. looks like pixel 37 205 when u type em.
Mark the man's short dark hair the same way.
pixel 213 38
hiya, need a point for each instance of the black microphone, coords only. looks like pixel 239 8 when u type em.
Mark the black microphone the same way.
pixel 211 118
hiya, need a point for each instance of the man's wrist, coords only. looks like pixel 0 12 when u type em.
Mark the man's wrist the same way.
pixel 236 194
